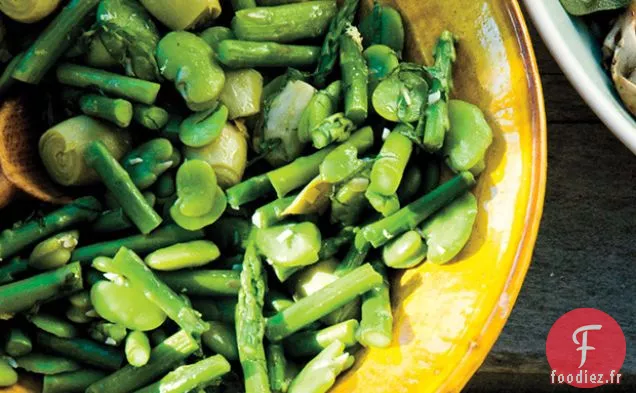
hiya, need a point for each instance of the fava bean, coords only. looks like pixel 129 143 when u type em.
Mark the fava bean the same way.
pixel 448 231
pixel 290 245
pixel 46 364
pixel 17 343
pixel 53 325
pixel 196 188
pixel 149 161
pixel 54 252
pixel 468 138
pixel 215 34
pixel 382 61
pixel 183 255
pixel 8 376
pixel 384 25
pixel 405 252
pixel 126 306
pixel 401 97
pixel 196 223
pixel 203 128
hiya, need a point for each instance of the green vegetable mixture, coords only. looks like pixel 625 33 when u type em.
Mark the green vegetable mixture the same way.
pixel 252 174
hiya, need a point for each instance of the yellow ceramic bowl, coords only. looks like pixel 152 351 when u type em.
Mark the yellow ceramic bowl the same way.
pixel 448 317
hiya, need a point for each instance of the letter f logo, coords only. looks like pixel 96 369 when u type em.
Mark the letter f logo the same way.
pixel 584 347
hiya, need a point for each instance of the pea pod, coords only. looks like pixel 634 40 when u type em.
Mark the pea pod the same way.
pixel 448 231
pixel 401 97
pixel 183 255
pixel 149 161
pixel 468 138
pixel 242 93
pixel 54 252
pixel 405 252
pixel 203 128
pixel 126 306
pixel 290 245
pixel 188 61
pixel 227 155
pixel 384 26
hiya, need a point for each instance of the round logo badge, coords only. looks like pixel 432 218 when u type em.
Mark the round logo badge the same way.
pixel 586 348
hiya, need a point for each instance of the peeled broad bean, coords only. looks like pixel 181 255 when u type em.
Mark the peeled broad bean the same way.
pixel 183 255
pixel 405 252
pixel 469 137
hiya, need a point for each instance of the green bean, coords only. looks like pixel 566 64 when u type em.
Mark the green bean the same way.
pixel 320 374
pixel 215 35
pixel 354 78
pixel 162 237
pixel 322 105
pixel 376 325
pixel 126 263
pixel 132 89
pixel 387 173
pixel 290 245
pixel 59 35
pixel 311 343
pixel 150 116
pixel 163 358
pixel 242 93
pixel 191 377
pixel 469 136
pixel 188 61
pixel 117 111
pixel 448 231
pixel 53 325
pixel 39 289
pixel 250 323
pixel 17 343
pixel 284 23
pixel 82 350
pixel 10 271
pixel 221 339
pixel 322 302
pixel 54 252
pixel 14 240
pixel 46 364
pixel 121 186
pixel 126 306
pixel 409 217
pixel 71 382
pixel 246 54
pixel 137 348
pixel 203 128
pixel 112 334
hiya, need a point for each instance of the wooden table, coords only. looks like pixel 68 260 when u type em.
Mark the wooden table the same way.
pixel 586 251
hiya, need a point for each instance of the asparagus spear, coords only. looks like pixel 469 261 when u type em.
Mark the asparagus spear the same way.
pixel 322 105
pixel 243 4
pixel 17 343
pixel 189 378
pixel 150 116
pixel 54 41
pixel 203 282
pixel 284 23
pixel 331 45
pixel 117 111
pixel 163 358
pixel 45 287
pixel 272 213
pixel 149 161
pixel 137 348
pixel 10 271
pixel 376 325
pixel 55 251
pixel 354 77
pixel 335 128
pixel 250 324
pixel 121 186
pixel 127 264
pixel 82 350
pixel 162 237
pixel 380 232
pixel 81 210
pixel 279 371
pixel 249 190
pixel 311 343
pixel 71 382
pixel 322 302
pixel 247 54
pixel 320 373
pixel 136 90
pixel 221 339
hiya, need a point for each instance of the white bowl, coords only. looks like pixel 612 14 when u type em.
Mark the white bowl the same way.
pixel 579 55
